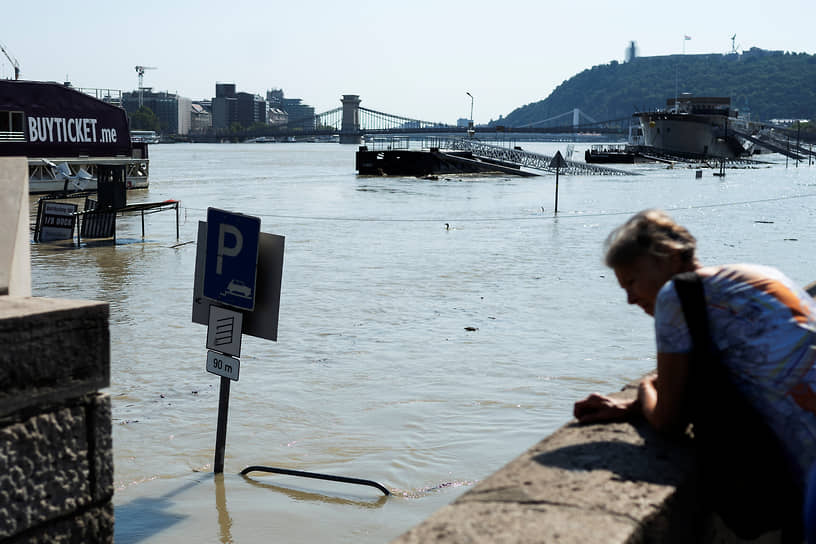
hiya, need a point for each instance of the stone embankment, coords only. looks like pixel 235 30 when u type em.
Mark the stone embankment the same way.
pixel 611 483
pixel 56 454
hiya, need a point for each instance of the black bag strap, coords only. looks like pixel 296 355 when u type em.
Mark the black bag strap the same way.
pixel 689 288
pixel 705 372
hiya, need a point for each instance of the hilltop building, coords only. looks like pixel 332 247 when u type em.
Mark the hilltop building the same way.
pixel 172 110
pixel 631 51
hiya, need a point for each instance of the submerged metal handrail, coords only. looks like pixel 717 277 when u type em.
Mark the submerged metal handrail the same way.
pixel 315 475
pixel 528 159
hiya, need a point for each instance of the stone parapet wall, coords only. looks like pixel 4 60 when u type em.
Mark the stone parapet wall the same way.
pixel 56 451
pixel 611 483
pixel 52 350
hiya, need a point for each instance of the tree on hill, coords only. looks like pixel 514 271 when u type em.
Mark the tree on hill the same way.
pixel 766 84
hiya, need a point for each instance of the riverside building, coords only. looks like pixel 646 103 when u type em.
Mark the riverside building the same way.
pixel 172 110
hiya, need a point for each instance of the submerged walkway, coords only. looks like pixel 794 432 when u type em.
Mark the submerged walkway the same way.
pixel 527 159
pixel 796 152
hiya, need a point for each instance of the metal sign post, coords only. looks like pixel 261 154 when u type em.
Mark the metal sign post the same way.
pixel 222 243
pixel 229 273
pixel 557 162
pixel 221 429
pixel 226 243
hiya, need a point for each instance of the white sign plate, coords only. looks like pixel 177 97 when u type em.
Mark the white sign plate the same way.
pixel 224 330
pixel 223 365
pixel 57 221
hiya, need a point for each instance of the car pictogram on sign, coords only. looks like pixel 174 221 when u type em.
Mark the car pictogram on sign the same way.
pixel 237 288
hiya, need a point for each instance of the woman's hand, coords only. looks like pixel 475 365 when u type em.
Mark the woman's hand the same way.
pixel 597 408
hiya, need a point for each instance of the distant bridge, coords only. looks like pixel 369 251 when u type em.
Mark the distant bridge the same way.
pixel 352 122
pixel 576 119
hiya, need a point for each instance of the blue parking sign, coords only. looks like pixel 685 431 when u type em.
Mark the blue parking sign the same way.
pixel 231 258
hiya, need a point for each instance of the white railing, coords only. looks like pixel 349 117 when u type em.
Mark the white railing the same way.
pixel 11 136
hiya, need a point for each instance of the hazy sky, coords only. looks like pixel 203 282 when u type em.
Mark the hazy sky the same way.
pixel 414 58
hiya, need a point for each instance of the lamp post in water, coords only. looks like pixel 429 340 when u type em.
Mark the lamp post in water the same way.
pixel 470 125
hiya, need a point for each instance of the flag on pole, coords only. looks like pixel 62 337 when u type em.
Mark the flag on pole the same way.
pixel 686 37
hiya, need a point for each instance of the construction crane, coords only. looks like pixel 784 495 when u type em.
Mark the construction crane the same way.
pixel 12 60
pixel 141 70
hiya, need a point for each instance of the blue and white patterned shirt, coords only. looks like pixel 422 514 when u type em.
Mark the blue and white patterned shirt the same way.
pixel 765 329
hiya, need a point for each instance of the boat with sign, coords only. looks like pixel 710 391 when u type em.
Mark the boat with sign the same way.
pixel 66 134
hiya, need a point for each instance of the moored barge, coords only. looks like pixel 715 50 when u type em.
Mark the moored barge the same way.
pixel 66 134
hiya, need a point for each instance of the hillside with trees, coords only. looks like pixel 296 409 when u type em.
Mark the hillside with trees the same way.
pixel 766 84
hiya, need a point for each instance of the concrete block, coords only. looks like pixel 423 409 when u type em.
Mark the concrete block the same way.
pixel 55 465
pixel 99 420
pixel 518 523
pixel 52 350
pixel 94 525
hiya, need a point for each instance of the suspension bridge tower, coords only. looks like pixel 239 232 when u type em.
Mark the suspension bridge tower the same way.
pixel 350 127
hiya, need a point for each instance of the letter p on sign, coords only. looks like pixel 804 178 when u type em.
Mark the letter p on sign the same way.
pixel 223 249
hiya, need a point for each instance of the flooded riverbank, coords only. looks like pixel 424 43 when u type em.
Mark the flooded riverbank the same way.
pixel 415 355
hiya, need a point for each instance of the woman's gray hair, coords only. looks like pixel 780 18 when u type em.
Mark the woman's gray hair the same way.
pixel 650 232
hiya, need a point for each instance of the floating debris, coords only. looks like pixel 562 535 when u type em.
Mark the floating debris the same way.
pixel 181 244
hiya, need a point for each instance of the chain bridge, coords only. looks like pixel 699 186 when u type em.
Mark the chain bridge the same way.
pixel 352 122
pixel 575 114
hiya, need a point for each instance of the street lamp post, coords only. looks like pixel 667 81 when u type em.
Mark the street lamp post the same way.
pixel 470 125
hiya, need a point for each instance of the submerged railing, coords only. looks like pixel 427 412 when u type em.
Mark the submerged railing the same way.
pixel 526 159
